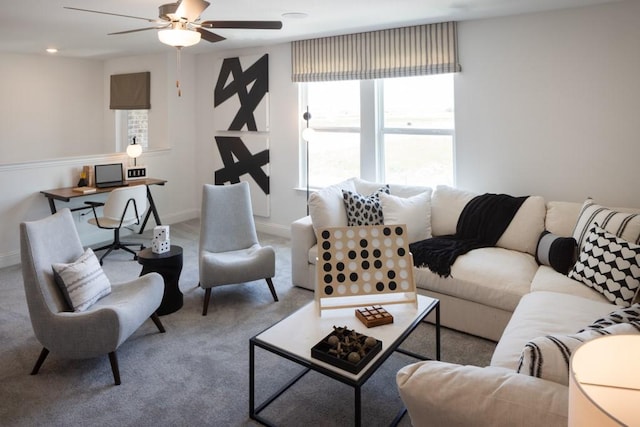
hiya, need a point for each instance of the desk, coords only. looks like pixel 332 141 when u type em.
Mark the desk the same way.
pixel 66 194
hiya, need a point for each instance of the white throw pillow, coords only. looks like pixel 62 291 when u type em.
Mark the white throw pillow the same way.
pixel 446 206
pixel 524 230
pixel 414 211
pixel 82 282
pixel 548 357
pixel 326 206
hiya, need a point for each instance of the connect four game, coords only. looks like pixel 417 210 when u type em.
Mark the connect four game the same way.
pixel 364 265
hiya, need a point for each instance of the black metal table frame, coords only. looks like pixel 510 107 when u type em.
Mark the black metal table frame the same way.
pixel 356 384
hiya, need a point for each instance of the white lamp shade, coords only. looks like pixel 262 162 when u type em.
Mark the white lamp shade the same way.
pixel 134 150
pixel 604 382
pixel 179 38
pixel 308 134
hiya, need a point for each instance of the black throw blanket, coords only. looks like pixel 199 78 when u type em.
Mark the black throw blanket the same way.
pixel 481 223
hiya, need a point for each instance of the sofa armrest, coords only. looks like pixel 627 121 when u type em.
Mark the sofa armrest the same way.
pixel 445 394
pixel 303 238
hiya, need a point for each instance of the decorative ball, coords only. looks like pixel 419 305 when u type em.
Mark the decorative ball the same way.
pixel 370 342
pixel 353 357
pixel 333 340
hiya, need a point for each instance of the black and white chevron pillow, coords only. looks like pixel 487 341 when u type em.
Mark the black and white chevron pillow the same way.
pixel 610 265
pixel 548 357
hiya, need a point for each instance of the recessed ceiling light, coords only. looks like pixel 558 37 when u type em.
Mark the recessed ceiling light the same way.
pixel 52 50
pixel 295 15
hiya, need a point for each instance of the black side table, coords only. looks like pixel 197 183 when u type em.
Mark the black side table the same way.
pixel 169 265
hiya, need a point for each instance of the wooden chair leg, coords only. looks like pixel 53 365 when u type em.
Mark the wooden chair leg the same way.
pixel 158 323
pixel 113 359
pixel 272 289
pixel 43 355
pixel 207 296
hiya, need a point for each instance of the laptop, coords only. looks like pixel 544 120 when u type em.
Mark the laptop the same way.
pixel 110 175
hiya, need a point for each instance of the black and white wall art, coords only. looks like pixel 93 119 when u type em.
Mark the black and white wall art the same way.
pixel 241 95
pixel 241 119
pixel 245 158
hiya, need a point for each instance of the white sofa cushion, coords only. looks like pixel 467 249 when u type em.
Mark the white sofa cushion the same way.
pixel 413 211
pixel 562 217
pixel 524 230
pixel 495 277
pixel 326 206
pixel 549 280
pixel 544 313
pixel 445 394
pixel 446 206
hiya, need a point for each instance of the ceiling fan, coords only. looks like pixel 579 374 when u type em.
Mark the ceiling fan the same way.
pixel 180 26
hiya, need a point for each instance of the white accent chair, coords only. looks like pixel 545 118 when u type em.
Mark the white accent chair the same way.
pixel 105 325
pixel 229 250
pixel 124 206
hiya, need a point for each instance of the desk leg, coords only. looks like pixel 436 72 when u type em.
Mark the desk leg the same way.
pixel 52 205
pixel 438 331
pixel 252 402
pixel 152 209
pixel 358 407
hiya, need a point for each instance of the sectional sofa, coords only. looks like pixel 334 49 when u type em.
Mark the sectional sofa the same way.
pixel 511 293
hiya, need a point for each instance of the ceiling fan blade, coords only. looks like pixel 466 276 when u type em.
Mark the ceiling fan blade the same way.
pixel 191 9
pixel 209 36
pixel 251 25
pixel 139 29
pixel 114 14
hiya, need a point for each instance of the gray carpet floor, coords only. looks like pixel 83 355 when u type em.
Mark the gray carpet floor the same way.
pixel 197 373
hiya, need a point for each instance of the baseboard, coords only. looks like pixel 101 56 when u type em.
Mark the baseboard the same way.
pixel 9 259
pixel 274 229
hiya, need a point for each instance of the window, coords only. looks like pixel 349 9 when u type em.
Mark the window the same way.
pixel 397 130
pixel 130 124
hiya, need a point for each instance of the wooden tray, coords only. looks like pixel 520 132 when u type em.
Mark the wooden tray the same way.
pixel 374 316
pixel 320 351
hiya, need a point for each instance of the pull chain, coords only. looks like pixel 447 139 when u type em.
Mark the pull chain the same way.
pixel 178 71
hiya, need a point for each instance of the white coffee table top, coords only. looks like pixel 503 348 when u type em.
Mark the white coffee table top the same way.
pixel 303 329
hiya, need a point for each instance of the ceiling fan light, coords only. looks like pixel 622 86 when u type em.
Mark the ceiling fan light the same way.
pixel 178 37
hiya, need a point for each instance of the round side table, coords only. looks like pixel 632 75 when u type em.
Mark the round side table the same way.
pixel 169 265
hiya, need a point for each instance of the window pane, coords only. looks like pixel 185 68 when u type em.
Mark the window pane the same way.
pixel 418 159
pixel 424 102
pixel 334 104
pixel 333 157
pixel 138 126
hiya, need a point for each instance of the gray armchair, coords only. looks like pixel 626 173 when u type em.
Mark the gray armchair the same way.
pixel 106 324
pixel 229 249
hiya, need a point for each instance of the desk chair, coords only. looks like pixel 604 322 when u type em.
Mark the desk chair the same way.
pixel 124 206
pixel 229 251
pixel 105 325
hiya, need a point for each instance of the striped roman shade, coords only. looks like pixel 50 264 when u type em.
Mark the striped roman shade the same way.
pixel 398 52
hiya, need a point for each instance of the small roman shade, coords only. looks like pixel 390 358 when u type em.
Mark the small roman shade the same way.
pixel 131 91
pixel 398 52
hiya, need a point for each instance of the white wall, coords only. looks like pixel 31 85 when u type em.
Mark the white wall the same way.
pixel 546 104
pixel 549 104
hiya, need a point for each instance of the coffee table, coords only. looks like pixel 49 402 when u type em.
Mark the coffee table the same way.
pixel 293 337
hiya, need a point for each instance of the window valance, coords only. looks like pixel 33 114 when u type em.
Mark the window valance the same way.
pixel 398 52
pixel 131 91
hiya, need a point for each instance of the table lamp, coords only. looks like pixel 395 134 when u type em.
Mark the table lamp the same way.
pixel 134 151
pixel 604 382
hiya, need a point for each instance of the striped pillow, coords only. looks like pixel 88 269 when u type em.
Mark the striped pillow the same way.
pixel 82 282
pixel 622 224
pixel 548 357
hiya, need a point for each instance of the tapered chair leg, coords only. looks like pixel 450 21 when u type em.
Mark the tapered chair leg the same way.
pixel 43 355
pixel 207 296
pixel 158 323
pixel 113 359
pixel 272 289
